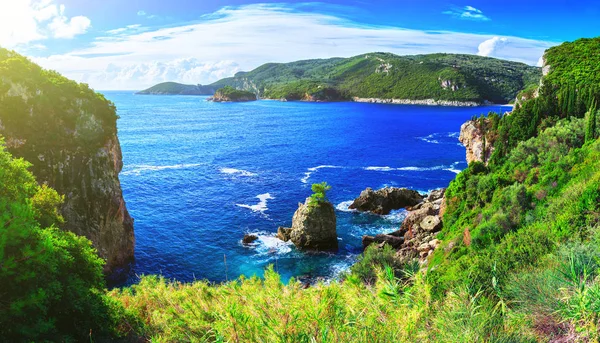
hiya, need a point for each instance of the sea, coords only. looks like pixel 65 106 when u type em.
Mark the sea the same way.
pixel 199 175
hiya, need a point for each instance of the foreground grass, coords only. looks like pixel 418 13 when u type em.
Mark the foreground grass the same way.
pixel 265 310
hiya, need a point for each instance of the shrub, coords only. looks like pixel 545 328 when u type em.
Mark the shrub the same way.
pixel 319 193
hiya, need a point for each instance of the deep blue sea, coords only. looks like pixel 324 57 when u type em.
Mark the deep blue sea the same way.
pixel 199 175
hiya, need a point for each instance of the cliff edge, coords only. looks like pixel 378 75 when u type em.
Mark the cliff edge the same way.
pixel 68 133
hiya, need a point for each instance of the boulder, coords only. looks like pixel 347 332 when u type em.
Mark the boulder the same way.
pixel 249 238
pixel 431 223
pixel 436 195
pixel 283 233
pixel 314 227
pixel 394 241
pixel 385 200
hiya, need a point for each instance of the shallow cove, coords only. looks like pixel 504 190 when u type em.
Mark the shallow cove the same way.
pixel 198 175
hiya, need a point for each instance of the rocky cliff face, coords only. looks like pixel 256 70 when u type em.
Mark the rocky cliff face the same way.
pixel 473 137
pixel 68 133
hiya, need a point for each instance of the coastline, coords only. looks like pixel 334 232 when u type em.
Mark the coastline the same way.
pixel 424 102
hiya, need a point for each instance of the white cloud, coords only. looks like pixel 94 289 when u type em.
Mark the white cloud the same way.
pixel 491 46
pixel 467 13
pixel 141 13
pixel 246 37
pixel 26 21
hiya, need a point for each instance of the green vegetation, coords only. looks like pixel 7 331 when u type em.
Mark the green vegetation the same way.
pixel 387 76
pixel 319 193
pixel 228 93
pixel 52 111
pixel 174 88
pixel 52 286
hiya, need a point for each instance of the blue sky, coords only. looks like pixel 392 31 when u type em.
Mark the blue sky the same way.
pixel 114 44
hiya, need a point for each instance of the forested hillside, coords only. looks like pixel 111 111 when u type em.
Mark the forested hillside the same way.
pixel 388 76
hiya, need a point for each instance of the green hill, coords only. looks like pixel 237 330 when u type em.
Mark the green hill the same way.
pixel 174 88
pixel 446 77
pixel 227 94
pixel 387 76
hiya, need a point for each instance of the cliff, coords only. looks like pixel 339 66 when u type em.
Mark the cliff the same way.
pixel 475 138
pixel 68 133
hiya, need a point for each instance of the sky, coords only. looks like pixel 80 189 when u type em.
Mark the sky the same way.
pixel 132 45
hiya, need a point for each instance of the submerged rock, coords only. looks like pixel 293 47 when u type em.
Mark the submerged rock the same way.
pixel 313 227
pixel 384 200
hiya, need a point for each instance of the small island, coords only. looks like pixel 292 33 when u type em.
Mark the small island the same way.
pixel 230 94
pixel 174 88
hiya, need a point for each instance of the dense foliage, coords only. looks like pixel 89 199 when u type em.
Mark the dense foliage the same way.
pixel 174 88
pixel 229 93
pixel 571 88
pixel 51 281
pixel 388 76
pixel 51 111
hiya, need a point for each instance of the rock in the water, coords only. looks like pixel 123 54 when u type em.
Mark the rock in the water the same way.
pixel 385 200
pixel 314 227
pixel 394 241
pixel 249 238
pixel 283 233
pixel 431 223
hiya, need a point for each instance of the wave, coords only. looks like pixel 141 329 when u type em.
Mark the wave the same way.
pixel 435 138
pixel 138 169
pixel 268 244
pixel 262 204
pixel 344 206
pixel 239 172
pixel 380 168
pixel 310 171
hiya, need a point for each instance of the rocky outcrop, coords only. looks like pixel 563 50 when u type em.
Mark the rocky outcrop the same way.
pixel 473 135
pixel 313 227
pixel 416 238
pixel 384 200
pixel 249 239
pixel 69 135
pixel 423 102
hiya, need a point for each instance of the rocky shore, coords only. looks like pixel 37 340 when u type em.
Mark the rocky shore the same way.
pixel 416 238
pixel 425 102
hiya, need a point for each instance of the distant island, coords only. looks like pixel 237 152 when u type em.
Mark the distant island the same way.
pixel 230 94
pixel 434 79
pixel 174 88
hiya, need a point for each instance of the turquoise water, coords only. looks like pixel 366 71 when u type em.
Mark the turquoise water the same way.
pixel 198 175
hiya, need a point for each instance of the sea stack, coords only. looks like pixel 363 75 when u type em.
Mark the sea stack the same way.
pixel 313 227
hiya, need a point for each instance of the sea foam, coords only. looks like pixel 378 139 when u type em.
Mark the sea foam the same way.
pixel 238 172
pixel 138 169
pixel 262 204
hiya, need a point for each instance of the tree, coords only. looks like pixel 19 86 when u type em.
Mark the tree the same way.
pixel 319 193
pixel 590 124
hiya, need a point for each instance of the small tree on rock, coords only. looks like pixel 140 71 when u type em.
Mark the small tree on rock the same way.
pixel 319 193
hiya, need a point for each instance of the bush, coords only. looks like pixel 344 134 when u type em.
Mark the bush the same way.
pixel 51 281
